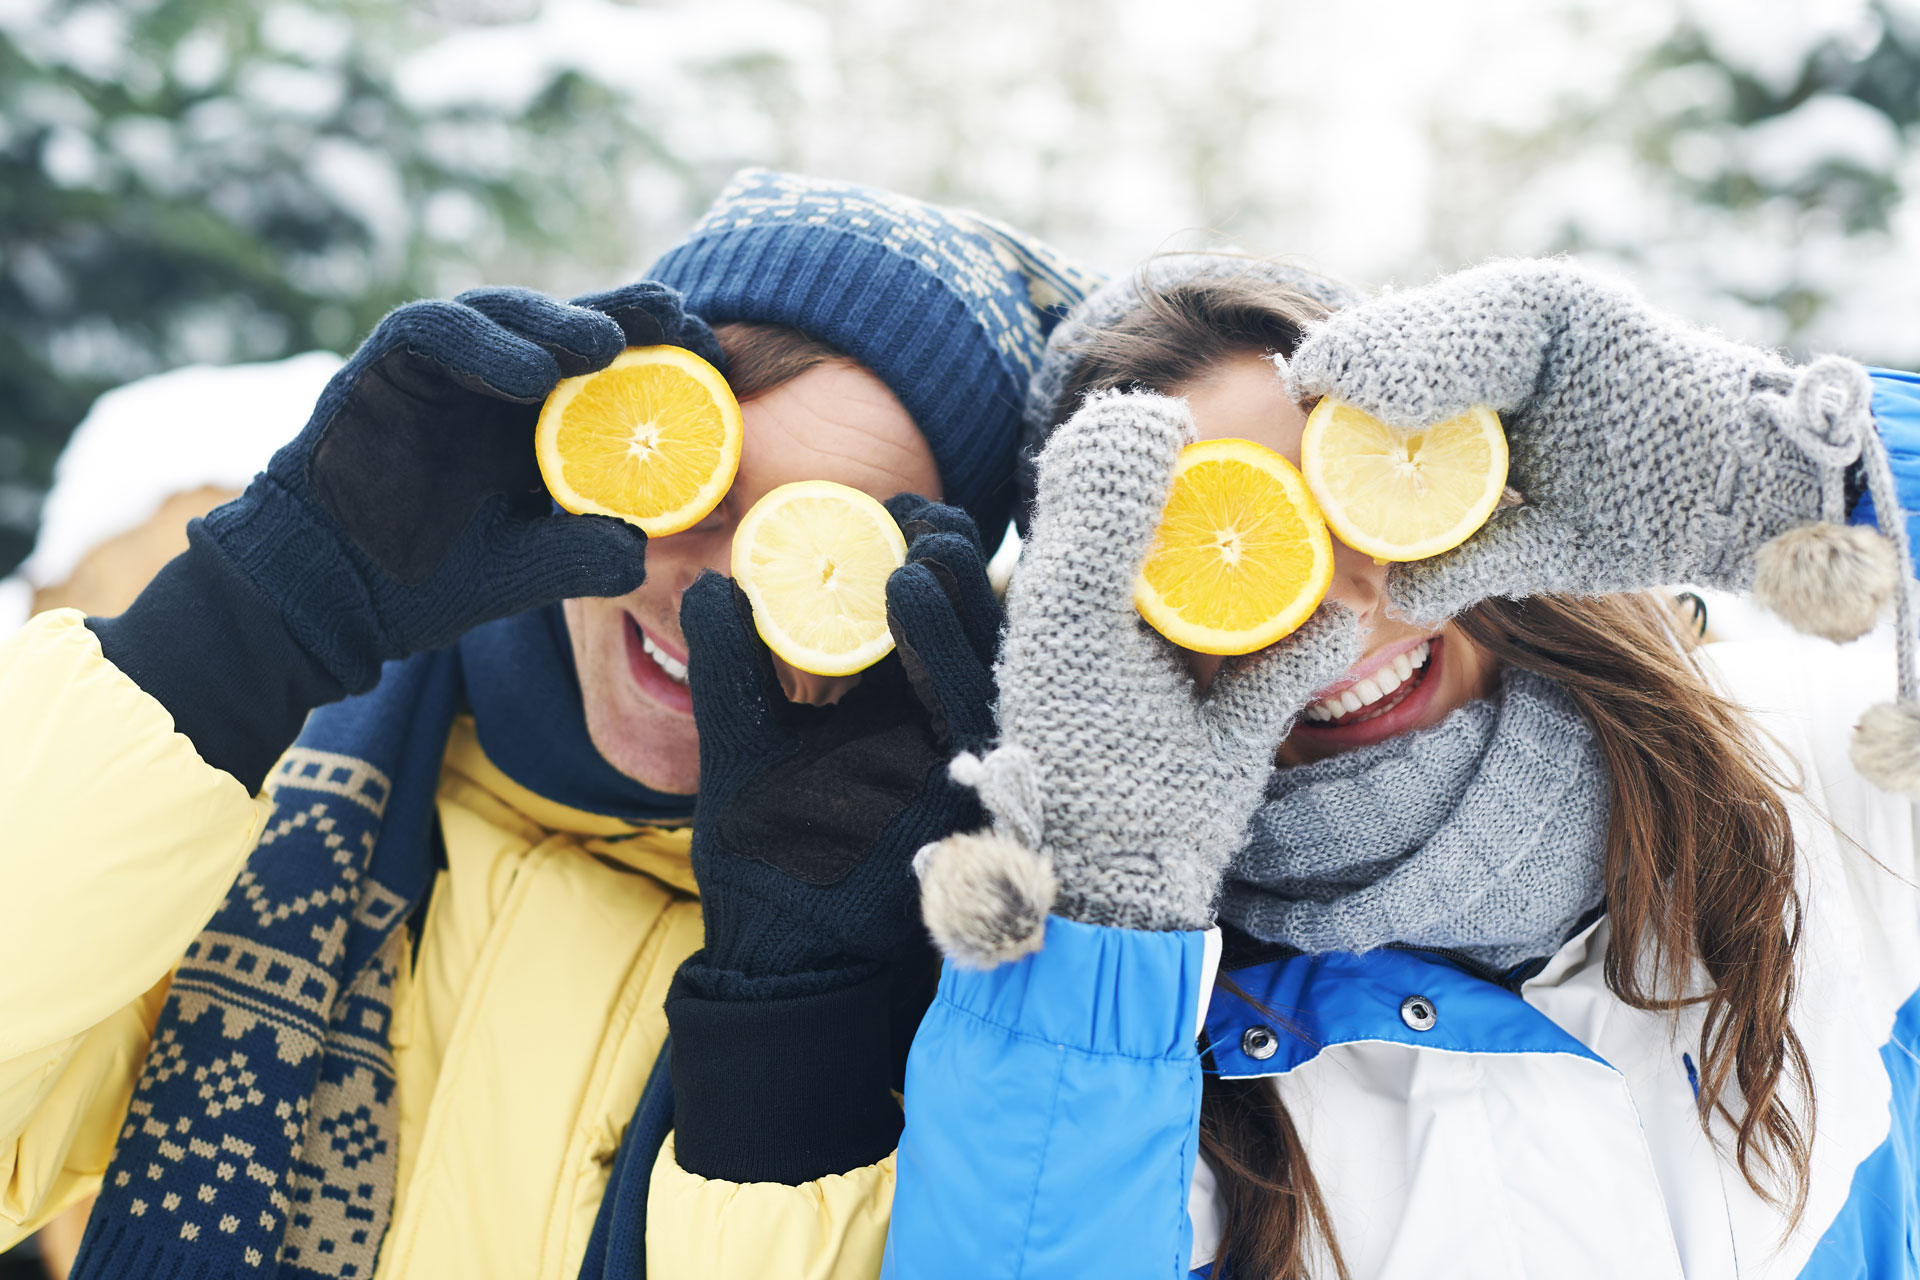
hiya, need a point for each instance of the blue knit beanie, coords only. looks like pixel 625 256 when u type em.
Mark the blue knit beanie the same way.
pixel 951 310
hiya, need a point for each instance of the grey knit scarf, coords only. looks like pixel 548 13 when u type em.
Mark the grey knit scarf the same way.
pixel 1484 834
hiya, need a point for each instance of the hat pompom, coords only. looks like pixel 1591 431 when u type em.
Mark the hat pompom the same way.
pixel 984 897
pixel 1886 747
pixel 1828 580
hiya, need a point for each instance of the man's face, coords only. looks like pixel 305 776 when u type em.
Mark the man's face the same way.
pixel 836 422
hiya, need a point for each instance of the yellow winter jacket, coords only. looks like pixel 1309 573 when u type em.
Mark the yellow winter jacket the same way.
pixel 522 1035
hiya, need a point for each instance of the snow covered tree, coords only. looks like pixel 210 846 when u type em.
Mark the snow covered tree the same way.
pixel 191 181
pixel 1758 167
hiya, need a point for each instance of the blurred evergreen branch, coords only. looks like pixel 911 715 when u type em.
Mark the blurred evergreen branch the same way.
pixel 211 180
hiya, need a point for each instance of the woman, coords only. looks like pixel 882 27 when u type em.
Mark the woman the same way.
pixel 1551 948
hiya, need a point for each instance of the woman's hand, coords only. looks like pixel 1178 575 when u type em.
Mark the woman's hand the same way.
pixel 1646 451
pixel 1114 777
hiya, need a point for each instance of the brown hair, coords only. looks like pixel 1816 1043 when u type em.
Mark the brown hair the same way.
pixel 1699 849
pixel 763 356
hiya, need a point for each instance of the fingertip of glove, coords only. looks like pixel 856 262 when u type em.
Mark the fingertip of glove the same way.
pixel 985 898
pixel 706 598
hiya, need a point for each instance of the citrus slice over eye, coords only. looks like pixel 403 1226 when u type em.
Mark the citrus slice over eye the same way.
pixel 814 558
pixel 653 438
pixel 1403 495
pixel 1242 557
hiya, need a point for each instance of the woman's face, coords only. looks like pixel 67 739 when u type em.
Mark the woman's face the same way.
pixel 1409 677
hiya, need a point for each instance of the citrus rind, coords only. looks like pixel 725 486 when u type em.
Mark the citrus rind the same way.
pixel 1371 487
pixel 1282 544
pixel 813 558
pixel 715 460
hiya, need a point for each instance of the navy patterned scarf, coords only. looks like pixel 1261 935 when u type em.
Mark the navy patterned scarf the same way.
pixel 262 1140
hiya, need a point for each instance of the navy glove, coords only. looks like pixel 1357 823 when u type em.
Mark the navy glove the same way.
pixel 410 509
pixel 809 817
pixel 803 845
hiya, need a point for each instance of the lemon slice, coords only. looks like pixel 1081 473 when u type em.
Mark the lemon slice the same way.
pixel 814 558
pixel 1403 495
pixel 1242 556
pixel 653 438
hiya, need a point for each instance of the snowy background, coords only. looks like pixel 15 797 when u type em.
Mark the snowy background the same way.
pixel 210 182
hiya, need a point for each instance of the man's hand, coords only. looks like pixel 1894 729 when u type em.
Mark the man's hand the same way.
pixel 410 509
pixel 803 844
pixel 809 817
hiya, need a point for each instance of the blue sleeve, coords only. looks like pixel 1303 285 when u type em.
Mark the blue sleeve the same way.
pixel 1053 1112
pixel 1896 413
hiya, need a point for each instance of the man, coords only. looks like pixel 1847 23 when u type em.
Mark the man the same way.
pixel 413 1037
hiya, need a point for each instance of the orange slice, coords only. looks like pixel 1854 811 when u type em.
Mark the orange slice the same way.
pixel 653 438
pixel 1242 557
pixel 814 558
pixel 1403 495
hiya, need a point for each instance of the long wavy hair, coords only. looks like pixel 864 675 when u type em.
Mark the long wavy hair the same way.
pixel 1699 848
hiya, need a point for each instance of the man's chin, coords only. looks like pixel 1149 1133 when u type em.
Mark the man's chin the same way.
pixel 661 752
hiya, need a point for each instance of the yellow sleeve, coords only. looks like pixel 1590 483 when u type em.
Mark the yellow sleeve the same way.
pixel 705 1229
pixel 116 844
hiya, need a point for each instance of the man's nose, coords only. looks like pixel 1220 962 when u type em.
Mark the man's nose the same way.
pixel 680 557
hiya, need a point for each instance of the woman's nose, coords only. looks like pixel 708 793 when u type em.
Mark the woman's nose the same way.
pixel 1359 583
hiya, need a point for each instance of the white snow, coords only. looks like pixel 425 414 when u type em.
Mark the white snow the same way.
pixel 70 159
pixel 305 93
pixel 1770 39
pixel 306 34
pixel 16 598
pixel 199 59
pixel 172 433
pixel 638 52
pixel 1828 130
pixel 366 184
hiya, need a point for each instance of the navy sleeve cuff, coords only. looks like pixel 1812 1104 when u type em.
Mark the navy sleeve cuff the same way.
pixel 783 1090
pixel 218 656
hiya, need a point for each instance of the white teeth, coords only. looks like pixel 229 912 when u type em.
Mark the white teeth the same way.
pixel 676 670
pixel 1366 692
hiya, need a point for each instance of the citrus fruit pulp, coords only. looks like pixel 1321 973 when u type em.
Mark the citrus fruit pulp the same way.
pixel 1403 495
pixel 653 438
pixel 814 558
pixel 1242 556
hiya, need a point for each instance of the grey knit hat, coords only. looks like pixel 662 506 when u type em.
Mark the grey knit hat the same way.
pixel 1115 300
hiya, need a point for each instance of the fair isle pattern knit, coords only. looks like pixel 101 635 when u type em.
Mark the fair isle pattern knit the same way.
pixel 262 1138
pixel 948 308
pixel 1483 834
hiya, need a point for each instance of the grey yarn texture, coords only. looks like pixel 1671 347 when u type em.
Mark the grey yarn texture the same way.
pixel 1115 300
pixel 1136 789
pixel 1484 834
pixel 1647 451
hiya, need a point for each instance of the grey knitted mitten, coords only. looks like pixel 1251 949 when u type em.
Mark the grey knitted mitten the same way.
pixel 1118 795
pixel 1647 452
